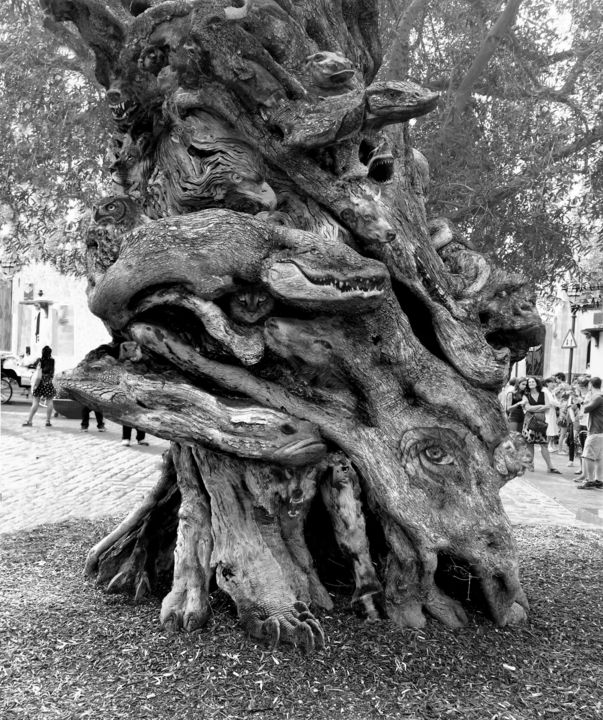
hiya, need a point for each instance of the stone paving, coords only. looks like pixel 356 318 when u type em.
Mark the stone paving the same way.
pixel 48 475
pixel 51 474
pixel 526 504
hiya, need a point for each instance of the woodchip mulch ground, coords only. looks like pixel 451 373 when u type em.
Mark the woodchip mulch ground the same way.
pixel 68 651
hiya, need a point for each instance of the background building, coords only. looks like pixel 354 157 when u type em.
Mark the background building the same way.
pixel 574 334
pixel 39 306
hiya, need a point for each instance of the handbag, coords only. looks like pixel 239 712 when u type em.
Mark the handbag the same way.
pixel 36 377
pixel 536 424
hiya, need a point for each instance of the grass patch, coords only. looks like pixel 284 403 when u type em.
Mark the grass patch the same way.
pixel 68 651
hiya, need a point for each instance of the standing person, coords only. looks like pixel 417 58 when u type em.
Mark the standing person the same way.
pixel 43 387
pixel 562 392
pixel 572 432
pixel 581 422
pixel 504 396
pixel 100 422
pixel 562 384
pixel 535 407
pixel 592 455
pixel 552 429
pixel 126 436
pixel 515 405
pixel 130 351
pixel 563 421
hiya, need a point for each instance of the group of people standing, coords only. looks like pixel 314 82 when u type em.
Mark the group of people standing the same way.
pixel 126 430
pixel 554 415
pixel 44 391
pixel 550 414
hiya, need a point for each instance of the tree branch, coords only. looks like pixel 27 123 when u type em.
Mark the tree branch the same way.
pixel 537 58
pixel 497 196
pixel 396 64
pixel 538 93
pixel 487 50
pixel 576 70
pixel 68 38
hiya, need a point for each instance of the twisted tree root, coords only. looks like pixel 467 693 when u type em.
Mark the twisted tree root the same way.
pixel 246 569
pixel 340 491
pixel 136 556
pixel 186 606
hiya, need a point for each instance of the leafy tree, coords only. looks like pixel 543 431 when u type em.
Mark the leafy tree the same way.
pixel 515 147
pixel 52 112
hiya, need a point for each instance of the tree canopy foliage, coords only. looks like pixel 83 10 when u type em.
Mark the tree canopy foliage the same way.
pixel 515 146
pixel 52 154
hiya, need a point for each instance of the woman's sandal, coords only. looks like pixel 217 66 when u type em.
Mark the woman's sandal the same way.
pixel 554 471
pixel 27 424
pixel 49 424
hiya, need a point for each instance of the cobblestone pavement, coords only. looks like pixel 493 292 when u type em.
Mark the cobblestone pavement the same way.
pixel 48 475
pixel 526 504
pixel 51 474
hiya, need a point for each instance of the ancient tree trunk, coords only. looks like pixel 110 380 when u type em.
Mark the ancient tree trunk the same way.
pixel 324 360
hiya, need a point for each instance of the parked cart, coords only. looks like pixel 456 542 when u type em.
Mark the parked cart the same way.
pixel 14 374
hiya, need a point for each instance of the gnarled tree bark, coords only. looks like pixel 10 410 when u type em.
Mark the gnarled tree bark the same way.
pixel 285 314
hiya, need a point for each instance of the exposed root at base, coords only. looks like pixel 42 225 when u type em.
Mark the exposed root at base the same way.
pixel 295 625
pixel 186 606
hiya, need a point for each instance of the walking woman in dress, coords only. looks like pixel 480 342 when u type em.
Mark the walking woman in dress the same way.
pixel 43 387
pixel 535 406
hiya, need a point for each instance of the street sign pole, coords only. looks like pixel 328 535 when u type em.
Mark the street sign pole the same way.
pixel 571 345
